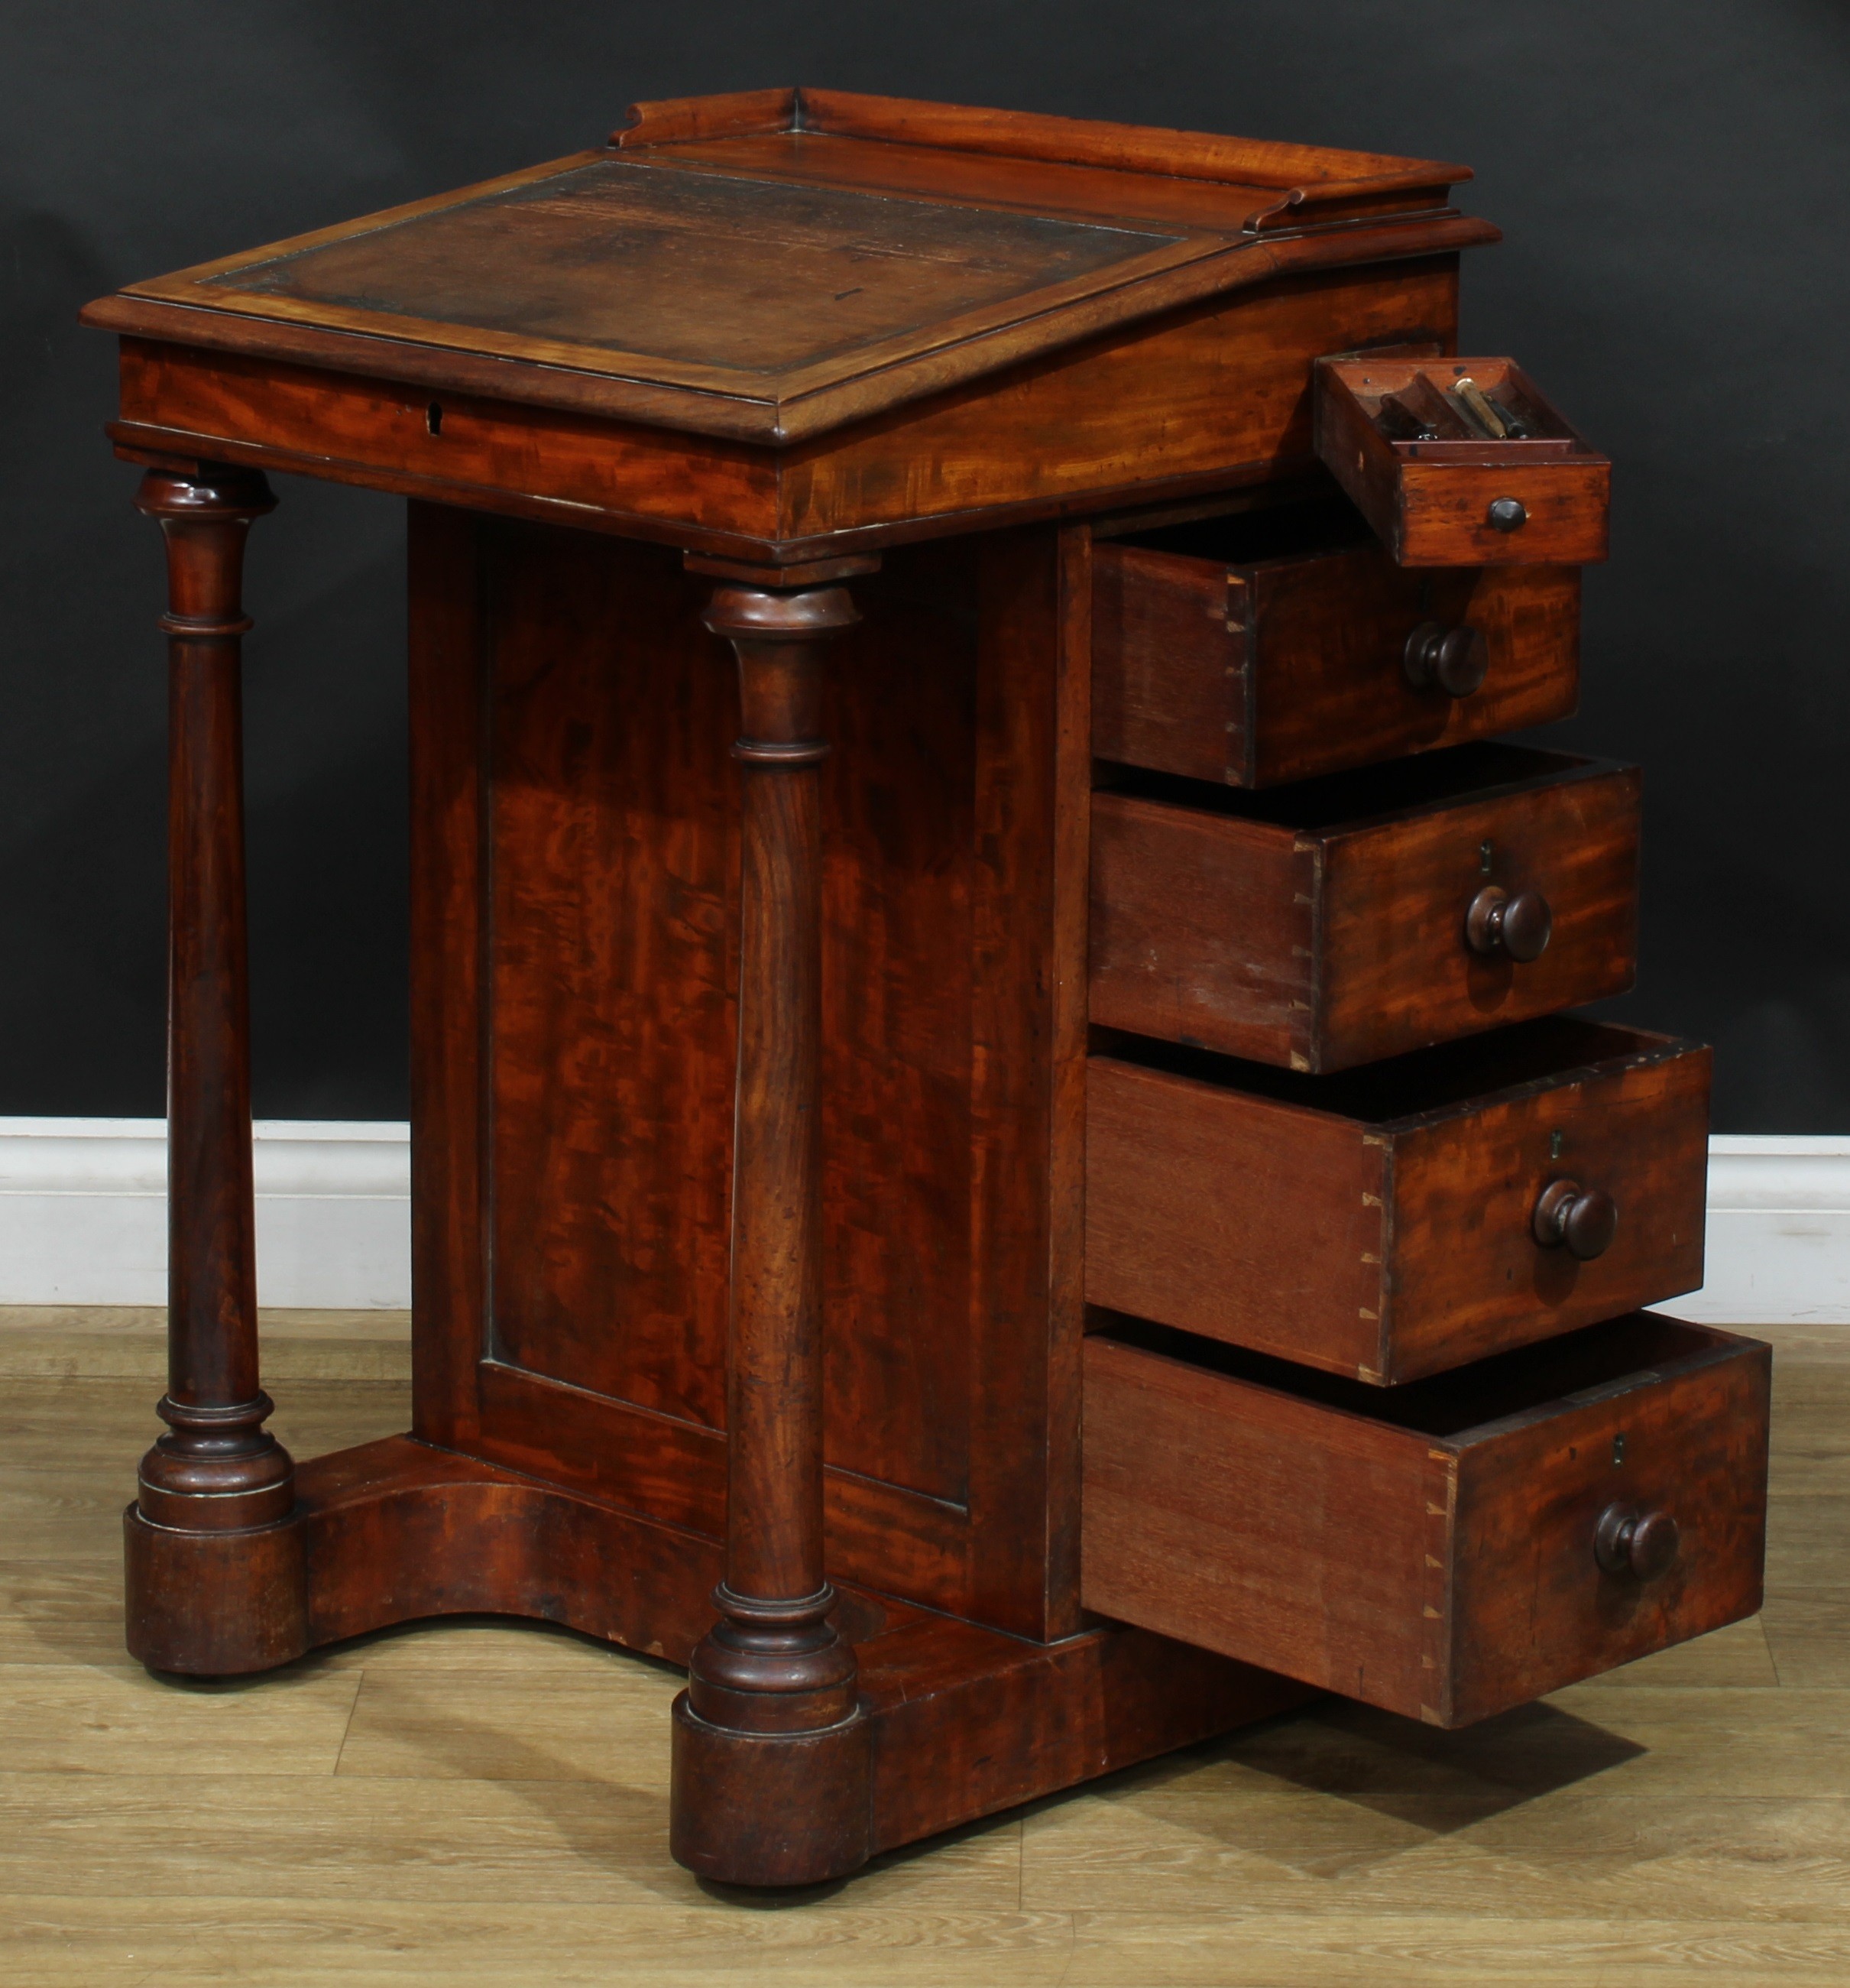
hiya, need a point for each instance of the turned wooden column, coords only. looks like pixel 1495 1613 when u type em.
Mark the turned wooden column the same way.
pixel 217 1476
pixel 771 1748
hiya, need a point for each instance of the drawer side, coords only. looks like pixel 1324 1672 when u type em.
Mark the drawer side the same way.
pixel 1169 680
pixel 1201 930
pixel 1235 1216
pixel 1263 1527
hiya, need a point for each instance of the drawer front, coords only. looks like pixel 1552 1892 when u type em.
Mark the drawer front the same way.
pixel 1295 667
pixel 1307 1225
pixel 1406 440
pixel 1320 949
pixel 1445 1575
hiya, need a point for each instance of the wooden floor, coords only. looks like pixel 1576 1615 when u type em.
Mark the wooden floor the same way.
pixel 469 1804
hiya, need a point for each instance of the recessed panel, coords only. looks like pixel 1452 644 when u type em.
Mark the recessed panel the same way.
pixel 614 976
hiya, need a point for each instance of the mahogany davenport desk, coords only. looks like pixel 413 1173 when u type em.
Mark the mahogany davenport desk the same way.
pixel 1040 1203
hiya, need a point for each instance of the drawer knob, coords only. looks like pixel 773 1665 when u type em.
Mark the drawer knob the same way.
pixel 1453 660
pixel 1641 1544
pixel 1581 1220
pixel 1506 514
pixel 1518 927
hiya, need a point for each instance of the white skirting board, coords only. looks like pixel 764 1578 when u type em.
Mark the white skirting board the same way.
pixel 1778 1240
pixel 83 1212
pixel 84 1219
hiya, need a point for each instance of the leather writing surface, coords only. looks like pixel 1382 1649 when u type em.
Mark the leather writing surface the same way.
pixel 694 266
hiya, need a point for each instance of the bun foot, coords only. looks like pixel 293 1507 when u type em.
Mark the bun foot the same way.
pixel 217 1604
pixel 769 1808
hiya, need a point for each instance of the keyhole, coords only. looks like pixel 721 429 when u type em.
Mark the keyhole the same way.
pixel 1483 859
pixel 1618 1450
pixel 434 418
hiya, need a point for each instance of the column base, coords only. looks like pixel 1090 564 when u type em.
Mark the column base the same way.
pixel 215 1604
pixel 771 1808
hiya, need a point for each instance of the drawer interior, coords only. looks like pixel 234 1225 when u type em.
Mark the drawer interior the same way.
pixel 1451 1076
pixel 1481 769
pixel 1301 529
pixel 1419 405
pixel 1533 1383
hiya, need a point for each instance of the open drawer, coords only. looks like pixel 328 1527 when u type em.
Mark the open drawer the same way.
pixel 1446 1549
pixel 1277 644
pixel 1461 462
pixel 1401 1219
pixel 1337 921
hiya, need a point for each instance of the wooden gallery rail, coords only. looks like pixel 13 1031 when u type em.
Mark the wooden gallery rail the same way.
pixel 1042 1205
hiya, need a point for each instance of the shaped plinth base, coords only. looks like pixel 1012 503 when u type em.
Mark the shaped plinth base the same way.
pixel 956 1721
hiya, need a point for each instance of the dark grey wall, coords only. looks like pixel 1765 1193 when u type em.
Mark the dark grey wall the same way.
pixel 1672 175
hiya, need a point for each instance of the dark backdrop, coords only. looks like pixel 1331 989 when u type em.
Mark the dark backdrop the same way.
pixel 1672 175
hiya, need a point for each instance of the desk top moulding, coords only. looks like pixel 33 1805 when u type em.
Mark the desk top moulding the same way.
pixel 749 1073
pixel 860 318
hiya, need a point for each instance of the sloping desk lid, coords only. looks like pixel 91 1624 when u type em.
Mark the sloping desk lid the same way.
pixel 770 265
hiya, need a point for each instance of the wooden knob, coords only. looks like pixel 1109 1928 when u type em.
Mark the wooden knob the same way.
pixel 1581 1220
pixel 1518 927
pixel 1507 514
pixel 1453 660
pixel 1627 1539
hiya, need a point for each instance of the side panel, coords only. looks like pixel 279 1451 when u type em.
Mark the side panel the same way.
pixel 1028 939
pixel 574 1012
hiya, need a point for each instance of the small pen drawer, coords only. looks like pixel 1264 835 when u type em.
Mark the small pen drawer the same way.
pixel 1341 919
pixel 1401 1219
pixel 1275 646
pixel 1460 462
pixel 1446 1549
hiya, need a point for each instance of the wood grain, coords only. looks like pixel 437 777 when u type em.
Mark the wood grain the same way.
pixel 1094 142
pixel 1223 386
